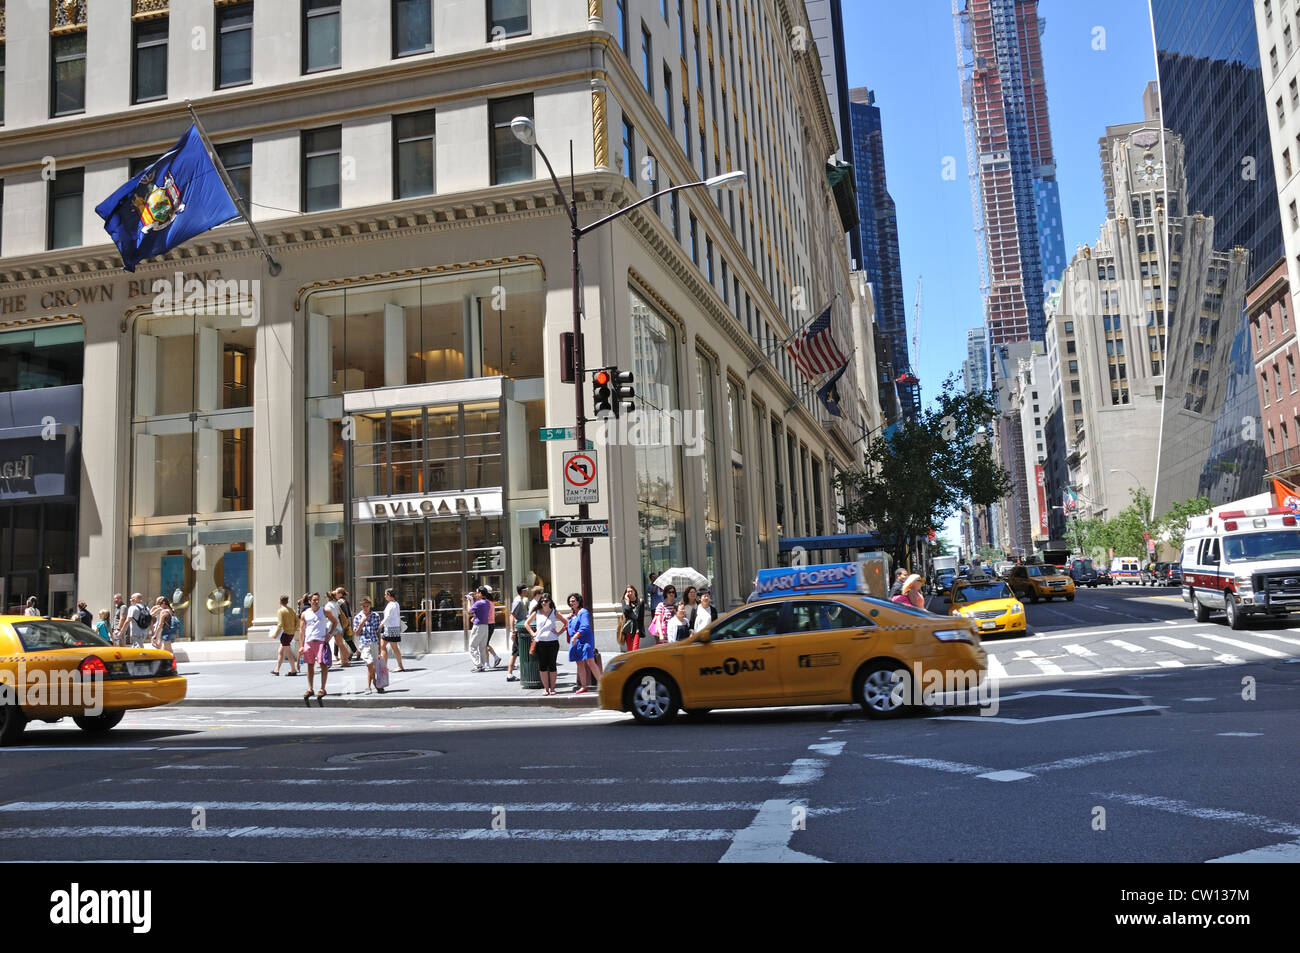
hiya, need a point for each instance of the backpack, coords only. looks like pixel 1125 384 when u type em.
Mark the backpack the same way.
pixel 173 627
pixel 141 617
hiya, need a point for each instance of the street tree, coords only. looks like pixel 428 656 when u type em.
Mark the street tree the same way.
pixel 921 473
pixel 1174 521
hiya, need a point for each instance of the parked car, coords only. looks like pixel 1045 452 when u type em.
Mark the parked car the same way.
pixel 1083 572
pixel 1104 577
pixel 1170 575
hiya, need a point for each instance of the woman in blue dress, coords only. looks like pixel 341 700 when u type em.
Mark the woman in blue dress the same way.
pixel 582 643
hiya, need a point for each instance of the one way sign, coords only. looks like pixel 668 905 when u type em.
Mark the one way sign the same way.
pixel 556 529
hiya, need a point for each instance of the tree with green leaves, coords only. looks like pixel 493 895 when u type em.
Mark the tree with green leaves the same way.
pixel 926 469
pixel 1174 523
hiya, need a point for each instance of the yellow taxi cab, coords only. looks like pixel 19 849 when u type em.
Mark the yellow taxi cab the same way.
pixel 1040 582
pixel 54 668
pixel 989 603
pixel 808 636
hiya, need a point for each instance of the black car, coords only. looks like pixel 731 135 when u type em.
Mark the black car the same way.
pixel 1083 572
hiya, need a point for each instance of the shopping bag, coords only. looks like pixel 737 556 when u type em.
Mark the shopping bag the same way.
pixel 381 672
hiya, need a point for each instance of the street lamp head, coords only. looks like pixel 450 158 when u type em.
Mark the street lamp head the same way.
pixel 727 180
pixel 524 130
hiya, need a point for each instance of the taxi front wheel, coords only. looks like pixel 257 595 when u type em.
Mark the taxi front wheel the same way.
pixel 98 723
pixel 653 698
pixel 884 689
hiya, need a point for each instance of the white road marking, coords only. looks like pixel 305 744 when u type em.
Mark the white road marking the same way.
pixel 461 782
pixel 1287 852
pixel 1042 664
pixel 767 838
pixel 1126 646
pixel 20 750
pixel 1005 776
pixel 244 767
pixel 1038 721
pixel 829 747
pixel 1229 660
pixel 1084 760
pixel 1173 806
pixel 434 807
pixel 380 833
pixel 996 670
pixel 1179 643
pixel 932 764
pixel 1035 639
pixel 1080 651
pixel 1276 638
pixel 1248 646
pixel 804 771
pixel 1198 699
pixel 1241 734
pixel 1169 663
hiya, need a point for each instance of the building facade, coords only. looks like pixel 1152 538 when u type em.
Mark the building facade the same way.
pixel 1276 354
pixel 370 416
pixel 1212 98
pixel 975 369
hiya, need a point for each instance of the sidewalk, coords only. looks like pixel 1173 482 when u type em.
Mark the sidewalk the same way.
pixel 442 680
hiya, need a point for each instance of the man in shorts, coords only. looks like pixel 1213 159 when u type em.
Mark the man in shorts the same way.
pixel 518 613
pixel 315 625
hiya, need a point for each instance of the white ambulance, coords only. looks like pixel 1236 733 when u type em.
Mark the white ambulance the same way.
pixel 1125 569
pixel 1243 558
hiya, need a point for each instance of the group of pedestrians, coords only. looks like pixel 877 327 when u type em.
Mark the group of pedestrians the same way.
pixel 672 619
pixel 367 635
pixel 535 614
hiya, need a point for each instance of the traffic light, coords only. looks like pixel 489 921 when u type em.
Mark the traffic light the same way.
pixel 548 530
pixel 602 394
pixel 624 392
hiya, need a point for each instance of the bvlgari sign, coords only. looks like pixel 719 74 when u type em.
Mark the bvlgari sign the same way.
pixel 419 506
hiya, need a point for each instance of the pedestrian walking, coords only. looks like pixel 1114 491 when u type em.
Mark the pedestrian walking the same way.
pixel 480 613
pixel 166 625
pixel 911 592
pixel 392 637
pixel 316 624
pixel 679 626
pixel 582 643
pixel 545 624
pixel 31 607
pixel 518 613
pixel 286 628
pixel 900 576
pixel 137 623
pixel 345 617
pixel 336 631
pixel 83 616
pixel 632 629
pixel 367 625
pixel 691 598
pixel 663 612
pixel 703 614
pixel 102 628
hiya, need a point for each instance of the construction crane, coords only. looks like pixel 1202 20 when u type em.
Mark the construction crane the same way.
pixel 914 351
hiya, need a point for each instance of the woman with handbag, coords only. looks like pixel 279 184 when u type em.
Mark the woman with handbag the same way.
pixel 663 612
pixel 545 624
pixel 632 631
pixel 582 643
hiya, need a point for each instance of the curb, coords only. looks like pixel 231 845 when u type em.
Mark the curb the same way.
pixel 386 701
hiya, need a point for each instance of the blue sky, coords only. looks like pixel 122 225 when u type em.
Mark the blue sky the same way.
pixel 905 52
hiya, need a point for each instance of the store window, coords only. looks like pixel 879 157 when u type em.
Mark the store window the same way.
pixel 660 502
pixel 191 528
pixel 486 323
pixel 778 483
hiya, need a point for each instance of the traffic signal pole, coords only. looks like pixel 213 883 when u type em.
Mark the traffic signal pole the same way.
pixel 579 382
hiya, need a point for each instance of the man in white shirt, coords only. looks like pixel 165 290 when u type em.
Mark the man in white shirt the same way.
pixel 137 623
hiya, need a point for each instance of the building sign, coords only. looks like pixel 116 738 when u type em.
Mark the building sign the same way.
pixel 1042 499
pixel 32 467
pixel 420 506
pixel 76 296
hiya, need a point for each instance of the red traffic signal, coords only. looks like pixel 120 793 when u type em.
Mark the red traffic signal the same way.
pixel 601 378
pixel 548 530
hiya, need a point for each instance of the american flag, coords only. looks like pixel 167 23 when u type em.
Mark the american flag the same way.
pixel 815 351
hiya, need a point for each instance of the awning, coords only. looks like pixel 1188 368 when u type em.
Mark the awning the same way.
pixel 844 541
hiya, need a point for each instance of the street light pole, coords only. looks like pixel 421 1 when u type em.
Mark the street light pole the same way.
pixel 526 132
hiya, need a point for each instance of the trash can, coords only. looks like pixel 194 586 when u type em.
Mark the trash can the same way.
pixel 529 676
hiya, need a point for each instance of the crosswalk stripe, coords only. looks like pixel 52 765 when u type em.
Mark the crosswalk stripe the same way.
pixel 463 782
pixel 1179 643
pixel 1169 663
pixel 996 669
pixel 1276 638
pixel 376 833
pixel 448 807
pixel 1126 646
pixel 1042 664
pixel 1080 651
pixel 1248 646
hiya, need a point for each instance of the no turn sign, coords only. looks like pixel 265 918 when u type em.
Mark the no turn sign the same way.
pixel 580 477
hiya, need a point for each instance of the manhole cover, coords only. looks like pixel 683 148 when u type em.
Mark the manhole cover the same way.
pixel 365 757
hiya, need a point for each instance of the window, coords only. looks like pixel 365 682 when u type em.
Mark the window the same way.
pixel 1074 367
pixel 66 190
pixel 726 292
pixel 234 45
pixel 1282 308
pixel 320 35
pixel 668 97
pixel 507 18
pixel 412 27
pixel 68 64
pixel 1290 371
pixel 1281 113
pixel 413 149
pixel 686 124
pixel 620 11
pixel 321 149
pixel 1277 383
pixel 512 161
pixel 1074 386
pixel 1272 59
pixel 149 63
pixel 1069 327
pixel 1069 347
pixel 1271 335
pixel 708 267
pixel 629 150
pixel 695 244
pixel 140 163
pixel 2 84
pixel 1295 217
pixel 1263 386
pixel 237 157
pixel 647 57
pixel 1286 38
pixel 1295 94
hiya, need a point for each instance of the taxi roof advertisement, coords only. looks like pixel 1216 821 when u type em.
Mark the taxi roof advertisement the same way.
pixel 832 577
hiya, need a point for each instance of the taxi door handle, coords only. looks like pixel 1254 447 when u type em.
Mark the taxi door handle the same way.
pixel 863 636
pixel 765 647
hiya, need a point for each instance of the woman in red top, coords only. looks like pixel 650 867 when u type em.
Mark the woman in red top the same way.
pixel 911 594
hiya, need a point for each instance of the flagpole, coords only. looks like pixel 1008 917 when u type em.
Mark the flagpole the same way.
pixel 273 266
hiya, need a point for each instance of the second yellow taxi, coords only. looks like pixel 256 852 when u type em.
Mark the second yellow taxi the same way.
pixel 987 602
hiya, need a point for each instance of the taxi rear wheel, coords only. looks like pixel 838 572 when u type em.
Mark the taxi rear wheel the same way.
pixel 653 698
pixel 12 723
pixel 98 723
pixel 883 689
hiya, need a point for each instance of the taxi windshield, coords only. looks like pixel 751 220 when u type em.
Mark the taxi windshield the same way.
pixel 982 591
pixel 1042 570
pixel 44 634
pixel 1279 544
